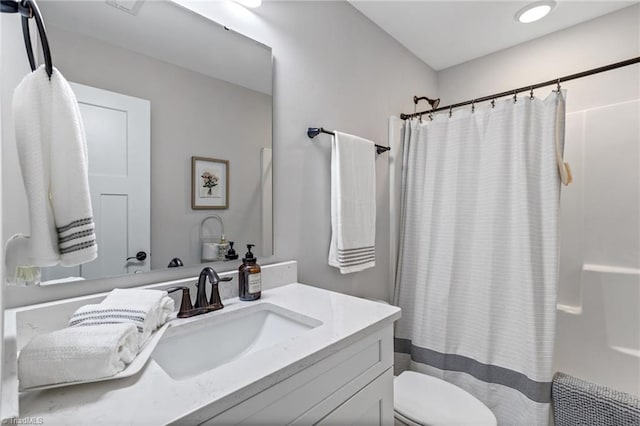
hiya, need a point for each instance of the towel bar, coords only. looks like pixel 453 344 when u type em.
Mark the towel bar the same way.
pixel 312 132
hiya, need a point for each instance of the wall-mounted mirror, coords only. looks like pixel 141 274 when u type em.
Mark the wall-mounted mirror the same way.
pixel 178 112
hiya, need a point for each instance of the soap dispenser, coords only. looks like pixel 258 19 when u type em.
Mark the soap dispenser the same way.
pixel 249 277
pixel 231 253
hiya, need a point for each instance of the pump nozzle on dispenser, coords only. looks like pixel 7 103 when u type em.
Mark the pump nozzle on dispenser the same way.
pixel 248 255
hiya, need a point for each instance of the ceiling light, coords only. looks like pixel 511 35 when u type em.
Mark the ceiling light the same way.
pixel 250 3
pixel 534 11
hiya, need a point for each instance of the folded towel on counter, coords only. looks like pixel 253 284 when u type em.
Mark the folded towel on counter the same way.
pixel 157 302
pixel 353 203
pixel 52 151
pixel 77 354
pixel 146 309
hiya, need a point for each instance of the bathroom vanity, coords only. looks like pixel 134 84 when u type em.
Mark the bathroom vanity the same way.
pixel 300 355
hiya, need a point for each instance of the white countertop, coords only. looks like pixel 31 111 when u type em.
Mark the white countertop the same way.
pixel 152 397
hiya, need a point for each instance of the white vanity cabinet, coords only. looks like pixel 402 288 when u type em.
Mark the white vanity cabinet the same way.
pixel 352 386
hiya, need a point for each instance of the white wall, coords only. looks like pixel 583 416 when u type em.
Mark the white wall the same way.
pixel 598 329
pixel 333 68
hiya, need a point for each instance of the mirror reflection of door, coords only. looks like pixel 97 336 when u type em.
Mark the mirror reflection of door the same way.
pixel 118 143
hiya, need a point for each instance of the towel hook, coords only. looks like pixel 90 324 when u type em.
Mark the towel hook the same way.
pixel 29 9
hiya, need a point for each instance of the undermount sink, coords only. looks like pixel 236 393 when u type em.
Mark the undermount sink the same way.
pixel 208 342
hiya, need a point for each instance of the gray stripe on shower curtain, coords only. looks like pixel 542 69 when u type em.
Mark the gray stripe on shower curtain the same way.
pixel 534 390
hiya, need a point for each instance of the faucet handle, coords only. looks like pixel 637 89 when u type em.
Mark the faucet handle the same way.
pixel 225 279
pixel 215 302
pixel 186 308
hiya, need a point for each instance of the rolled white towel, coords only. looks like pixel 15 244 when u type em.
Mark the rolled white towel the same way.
pixel 146 309
pixel 99 314
pixel 155 302
pixel 77 354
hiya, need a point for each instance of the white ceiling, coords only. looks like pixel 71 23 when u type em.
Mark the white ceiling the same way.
pixel 170 33
pixel 447 33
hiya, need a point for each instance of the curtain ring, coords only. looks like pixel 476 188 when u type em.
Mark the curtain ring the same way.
pixel 473 106
pixel 450 111
pixel 430 116
pixel 558 85
pixel 420 118
pixel 493 103
pixel 531 93
pixel 515 97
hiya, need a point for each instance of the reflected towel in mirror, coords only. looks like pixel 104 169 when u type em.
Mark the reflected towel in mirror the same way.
pixel 52 151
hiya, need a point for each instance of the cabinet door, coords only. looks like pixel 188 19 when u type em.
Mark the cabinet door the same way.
pixel 311 394
pixel 373 405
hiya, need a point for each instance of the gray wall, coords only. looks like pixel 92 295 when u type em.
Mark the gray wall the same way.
pixel 191 115
pixel 333 68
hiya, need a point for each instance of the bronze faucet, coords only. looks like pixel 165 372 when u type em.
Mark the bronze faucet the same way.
pixel 202 306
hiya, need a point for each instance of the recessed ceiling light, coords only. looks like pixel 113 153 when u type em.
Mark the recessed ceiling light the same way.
pixel 534 11
pixel 250 3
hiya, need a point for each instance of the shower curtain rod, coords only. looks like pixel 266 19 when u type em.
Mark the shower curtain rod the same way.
pixel 528 88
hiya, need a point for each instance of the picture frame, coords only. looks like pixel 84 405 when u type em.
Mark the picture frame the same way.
pixel 209 183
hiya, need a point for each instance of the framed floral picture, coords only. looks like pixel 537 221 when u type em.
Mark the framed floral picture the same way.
pixel 209 183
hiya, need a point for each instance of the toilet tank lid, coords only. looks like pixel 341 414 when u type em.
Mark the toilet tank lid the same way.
pixel 431 401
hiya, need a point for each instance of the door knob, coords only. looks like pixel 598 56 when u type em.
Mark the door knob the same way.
pixel 140 256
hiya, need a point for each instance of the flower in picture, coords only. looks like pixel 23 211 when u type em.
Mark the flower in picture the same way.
pixel 209 180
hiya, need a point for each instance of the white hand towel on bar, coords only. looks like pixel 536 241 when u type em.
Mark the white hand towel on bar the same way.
pixel 146 309
pixel 77 354
pixel 52 151
pixel 353 203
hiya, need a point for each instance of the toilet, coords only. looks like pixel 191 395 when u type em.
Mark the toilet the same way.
pixel 422 400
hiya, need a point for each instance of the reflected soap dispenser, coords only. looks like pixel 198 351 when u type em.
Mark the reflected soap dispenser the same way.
pixel 231 253
pixel 222 246
pixel 249 277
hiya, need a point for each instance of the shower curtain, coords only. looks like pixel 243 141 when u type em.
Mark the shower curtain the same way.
pixel 478 252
